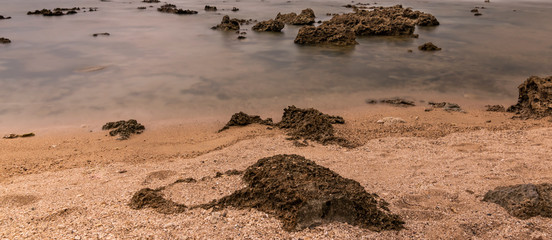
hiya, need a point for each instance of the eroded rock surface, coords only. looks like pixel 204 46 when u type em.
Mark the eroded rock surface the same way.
pixel 326 34
pixel 228 24
pixel 306 17
pixel 124 128
pixel 268 26
pixel 535 98
pixel 170 8
pixel 523 201
pixel 243 119
pixel 303 194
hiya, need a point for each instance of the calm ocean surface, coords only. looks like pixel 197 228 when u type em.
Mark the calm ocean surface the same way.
pixel 157 66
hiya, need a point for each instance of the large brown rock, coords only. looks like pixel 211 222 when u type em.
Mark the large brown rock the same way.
pixel 523 201
pixel 228 24
pixel 326 34
pixel 306 17
pixel 535 98
pixel 303 194
pixel 268 26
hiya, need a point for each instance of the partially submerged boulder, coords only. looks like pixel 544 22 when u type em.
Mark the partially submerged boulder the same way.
pixel 306 17
pixel 380 21
pixel 2 17
pixel 523 201
pixel 303 194
pixel 4 41
pixel 535 98
pixel 210 8
pixel 170 8
pixel 124 128
pixel 326 35
pixel 228 24
pixel 57 11
pixel 243 119
pixel 428 46
pixel 268 26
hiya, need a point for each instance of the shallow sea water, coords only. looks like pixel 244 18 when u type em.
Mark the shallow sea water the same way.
pixel 157 66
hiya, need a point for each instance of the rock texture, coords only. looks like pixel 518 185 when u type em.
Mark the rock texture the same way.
pixel 535 98
pixel 380 21
pixel 243 119
pixel 124 128
pixel 170 8
pixel 429 46
pixel 303 194
pixel 306 17
pixel 228 24
pixel 268 26
pixel 523 201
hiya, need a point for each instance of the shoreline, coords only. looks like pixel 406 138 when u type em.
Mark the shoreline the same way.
pixel 433 171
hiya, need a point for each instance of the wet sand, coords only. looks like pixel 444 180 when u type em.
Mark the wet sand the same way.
pixel 433 170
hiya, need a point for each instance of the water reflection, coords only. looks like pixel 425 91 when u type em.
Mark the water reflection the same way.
pixel 157 65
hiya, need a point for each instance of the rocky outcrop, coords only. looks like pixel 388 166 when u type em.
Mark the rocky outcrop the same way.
pixel 228 24
pixel 326 34
pixel 55 12
pixel 380 21
pixel 170 8
pixel 268 26
pixel 306 17
pixel 535 98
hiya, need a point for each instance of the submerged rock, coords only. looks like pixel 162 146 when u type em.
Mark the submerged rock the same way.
pixel 306 17
pixel 268 26
pixel 449 107
pixel 124 128
pixel 326 34
pixel 535 98
pixel 380 21
pixel 429 46
pixel 228 24
pixel 170 8
pixel 55 11
pixel 523 201
pixel 2 17
pixel 101 34
pixel 151 1
pixel 303 194
pixel 210 8
pixel 400 102
pixel 243 119
pixel 4 41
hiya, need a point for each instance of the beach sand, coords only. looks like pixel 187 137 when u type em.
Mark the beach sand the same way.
pixel 76 182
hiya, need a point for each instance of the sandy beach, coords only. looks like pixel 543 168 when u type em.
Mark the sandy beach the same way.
pixel 433 170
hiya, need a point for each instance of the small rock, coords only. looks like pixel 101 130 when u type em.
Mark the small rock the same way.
pixel 477 14
pixel 4 41
pixel 101 34
pixel 429 46
pixel 268 26
pixel 235 9
pixel 210 8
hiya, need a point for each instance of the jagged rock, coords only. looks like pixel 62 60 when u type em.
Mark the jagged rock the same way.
pixel 269 26
pixel 535 98
pixel 302 194
pixel 210 8
pixel 4 41
pixel 523 201
pixel 326 34
pixel 124 128
pixel 55 12
pixel 306 17
pixel 429 46
pixel 228 24
pixel 243 119
pixel 170 8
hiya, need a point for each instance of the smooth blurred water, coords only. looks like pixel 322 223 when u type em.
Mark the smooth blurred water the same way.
pixel 158 66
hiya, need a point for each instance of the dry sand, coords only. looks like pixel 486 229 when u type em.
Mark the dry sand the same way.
pixel 433 170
